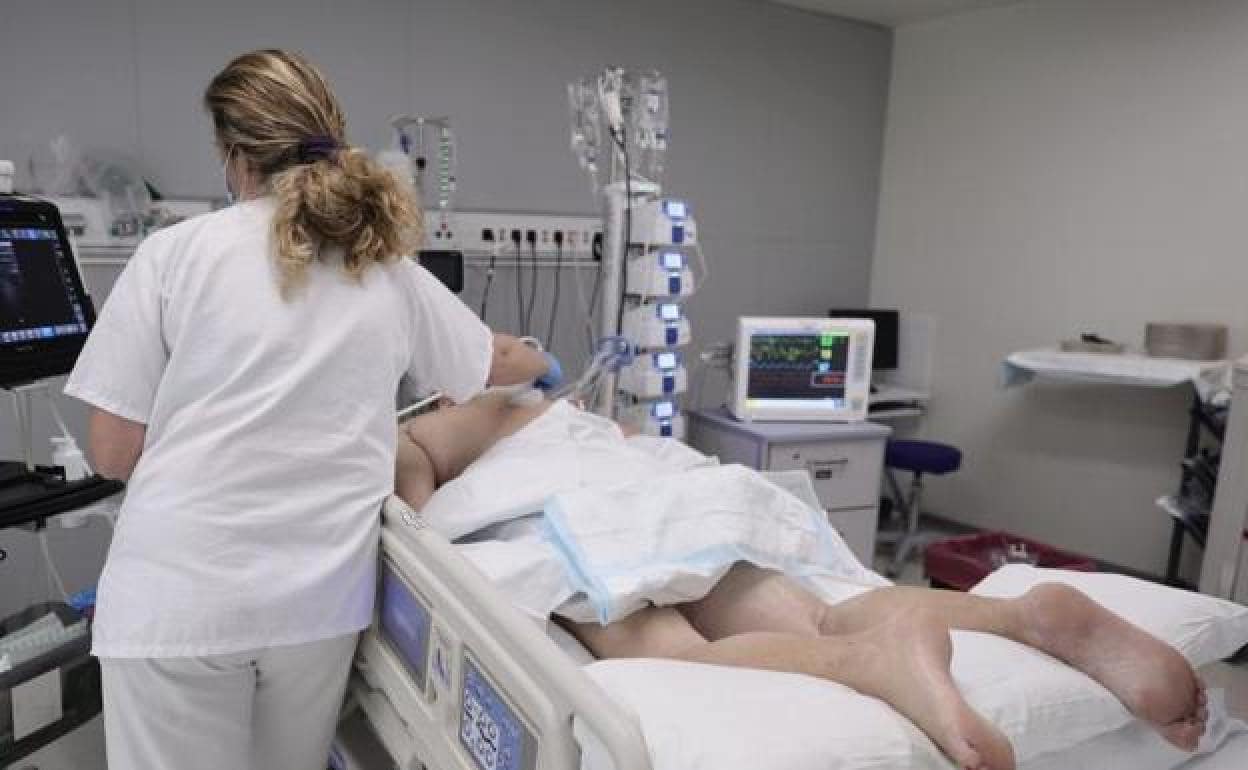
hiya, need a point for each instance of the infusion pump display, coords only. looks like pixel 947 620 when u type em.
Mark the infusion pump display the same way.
pixel 490 731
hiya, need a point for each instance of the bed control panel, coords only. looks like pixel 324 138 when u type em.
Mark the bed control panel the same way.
pixel 405 624
pixel 491 732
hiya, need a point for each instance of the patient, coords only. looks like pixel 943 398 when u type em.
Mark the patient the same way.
pixel 892 643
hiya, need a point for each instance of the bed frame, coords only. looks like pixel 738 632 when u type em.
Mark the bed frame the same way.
pixel 417 707
pixel 413 694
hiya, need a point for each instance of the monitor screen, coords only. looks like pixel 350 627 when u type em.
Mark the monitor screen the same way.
pixel 405 623
pixel 887 322
pixel 446 266
pixel 44 311
pixel 814 369
pixel 490 730
pixel 798 365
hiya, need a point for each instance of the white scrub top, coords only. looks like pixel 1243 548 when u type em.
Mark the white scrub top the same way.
pixel 252 517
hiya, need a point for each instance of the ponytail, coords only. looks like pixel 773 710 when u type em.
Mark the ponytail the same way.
pixel 348 201
pixel 276 110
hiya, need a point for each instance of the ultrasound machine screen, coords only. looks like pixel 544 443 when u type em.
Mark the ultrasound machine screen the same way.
pixel 45 314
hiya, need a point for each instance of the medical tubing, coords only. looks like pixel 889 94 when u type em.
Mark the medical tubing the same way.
pixel 628 226
pixel 585 310
pixel 489 280
pixel 47 559
pixel 588 379
pixel 705 272
pixel 595 293
pixel 520 328
pixel 613 353
pixel 528 313
pixel 554 304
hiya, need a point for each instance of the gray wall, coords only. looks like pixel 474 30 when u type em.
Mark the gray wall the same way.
pixel 777 122
pixel 1053 168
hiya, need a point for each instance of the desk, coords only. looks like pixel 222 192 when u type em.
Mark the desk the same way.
pixel 1224 570
pixel 1188 509
pixel 891 402
pixel 845 460
pixel 33 501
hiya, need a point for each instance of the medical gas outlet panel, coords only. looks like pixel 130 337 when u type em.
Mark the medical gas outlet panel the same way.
pixel 658 277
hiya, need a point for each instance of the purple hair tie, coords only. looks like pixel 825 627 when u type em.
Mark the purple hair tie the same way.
pixel 315 148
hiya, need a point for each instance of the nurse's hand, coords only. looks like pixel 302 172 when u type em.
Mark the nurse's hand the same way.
pixel 553 377
pixel 515 362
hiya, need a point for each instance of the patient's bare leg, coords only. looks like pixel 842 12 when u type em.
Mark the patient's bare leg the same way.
pixel 904 661
pixel 1150 678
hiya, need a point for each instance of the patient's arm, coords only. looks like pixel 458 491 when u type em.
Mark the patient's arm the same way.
pixel 515 362
pixel 439 445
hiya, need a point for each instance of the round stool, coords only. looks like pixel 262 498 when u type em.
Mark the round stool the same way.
pixel 917 458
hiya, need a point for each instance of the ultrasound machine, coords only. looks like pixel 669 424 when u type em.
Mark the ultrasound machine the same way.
pixel 45 316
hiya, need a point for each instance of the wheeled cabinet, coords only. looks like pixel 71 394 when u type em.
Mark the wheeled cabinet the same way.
pixel 845 460
pixel 1224 570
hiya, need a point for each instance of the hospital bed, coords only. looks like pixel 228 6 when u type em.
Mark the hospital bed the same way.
pixel 452 677
pixel 451 672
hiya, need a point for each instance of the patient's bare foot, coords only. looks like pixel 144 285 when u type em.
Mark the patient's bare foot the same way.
pixel 1149 676
pixel 906 661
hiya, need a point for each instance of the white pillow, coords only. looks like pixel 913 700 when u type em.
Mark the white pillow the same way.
pixel 1201 627
pixel 700 717
pixel 1139 747
pixel 697 716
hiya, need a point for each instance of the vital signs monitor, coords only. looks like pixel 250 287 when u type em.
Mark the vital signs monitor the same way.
pixel 811 369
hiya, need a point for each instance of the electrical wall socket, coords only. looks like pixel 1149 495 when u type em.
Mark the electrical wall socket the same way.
pixel 466 231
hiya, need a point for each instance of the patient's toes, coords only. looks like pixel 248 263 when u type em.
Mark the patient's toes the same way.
pixel 965 756
pixel 1184 735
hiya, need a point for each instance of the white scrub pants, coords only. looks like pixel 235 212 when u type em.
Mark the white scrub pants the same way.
pixel 270 709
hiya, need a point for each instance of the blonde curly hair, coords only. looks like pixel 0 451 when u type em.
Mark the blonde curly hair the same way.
pixel 276 110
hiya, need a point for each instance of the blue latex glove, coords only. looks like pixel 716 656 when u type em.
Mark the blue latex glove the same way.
pixel 553 377
pixel 83 600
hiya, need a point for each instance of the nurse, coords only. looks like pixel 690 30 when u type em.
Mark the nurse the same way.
pixel 242 377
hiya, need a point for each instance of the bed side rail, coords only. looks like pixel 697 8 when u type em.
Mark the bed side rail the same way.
pixel 474 619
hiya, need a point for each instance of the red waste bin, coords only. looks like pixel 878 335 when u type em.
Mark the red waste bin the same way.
pixel 961 562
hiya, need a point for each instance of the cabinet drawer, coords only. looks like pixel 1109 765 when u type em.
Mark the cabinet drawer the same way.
pixel 846 473
pixel 857 528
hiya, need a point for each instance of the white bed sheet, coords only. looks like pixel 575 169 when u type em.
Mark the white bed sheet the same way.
pixel 1132 747
pixel 679 727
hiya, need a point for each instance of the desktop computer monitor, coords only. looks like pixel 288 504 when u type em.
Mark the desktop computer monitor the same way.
pixel 45 314
pixel 885 354
pixel 810 369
